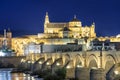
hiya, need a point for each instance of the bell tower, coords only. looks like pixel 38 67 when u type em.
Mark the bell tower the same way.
pixel 9 38
pixel 92 30
pixel 46 22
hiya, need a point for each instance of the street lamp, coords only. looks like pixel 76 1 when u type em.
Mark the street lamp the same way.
pixel 85 52
pixel 101 56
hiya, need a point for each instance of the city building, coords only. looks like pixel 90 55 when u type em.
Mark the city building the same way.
pixel 5 44
pixel 57 34
pixel 71 29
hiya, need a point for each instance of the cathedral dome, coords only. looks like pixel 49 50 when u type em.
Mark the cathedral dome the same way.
pixel 75 22
pixel 75 19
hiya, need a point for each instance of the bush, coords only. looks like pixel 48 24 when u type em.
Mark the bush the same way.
pixel 52 77
pixel 9 65
pixel 61 73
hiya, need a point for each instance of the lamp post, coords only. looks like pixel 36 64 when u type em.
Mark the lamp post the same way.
pixel 101 56
pixel 85 52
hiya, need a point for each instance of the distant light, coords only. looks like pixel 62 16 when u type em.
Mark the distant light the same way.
pixel 94 67
pixel 58 64
pixel 118 36
pixel 79 66
pixel 32 61
pixel 22 60
pixel 68 67
pixel 48 63
pixel 116 72
pixel 16 78
pixel 2 53
pixel 40 62
pixel 28 61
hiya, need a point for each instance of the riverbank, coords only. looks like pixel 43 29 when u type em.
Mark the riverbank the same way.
pixel 5 74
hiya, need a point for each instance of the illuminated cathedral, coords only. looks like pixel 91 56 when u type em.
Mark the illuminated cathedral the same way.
pixel 55 34
pixel 71 29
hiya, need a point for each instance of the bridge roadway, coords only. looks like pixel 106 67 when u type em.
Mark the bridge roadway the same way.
pixel 84 65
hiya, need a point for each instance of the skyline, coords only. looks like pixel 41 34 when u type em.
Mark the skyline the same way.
pixel 27 17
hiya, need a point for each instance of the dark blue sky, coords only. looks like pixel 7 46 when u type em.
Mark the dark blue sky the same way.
pixel 27 16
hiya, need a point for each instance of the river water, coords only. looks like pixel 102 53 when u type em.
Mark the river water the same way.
pixel 6 75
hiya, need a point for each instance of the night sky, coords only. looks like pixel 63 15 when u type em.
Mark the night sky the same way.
pixel 25 17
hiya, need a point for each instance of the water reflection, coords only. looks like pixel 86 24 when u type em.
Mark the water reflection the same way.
pixel 6 75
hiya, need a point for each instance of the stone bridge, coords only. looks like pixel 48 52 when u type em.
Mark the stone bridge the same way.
pixel 84 65
pixel 14 60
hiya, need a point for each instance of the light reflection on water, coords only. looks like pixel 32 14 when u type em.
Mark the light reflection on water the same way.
pixel 6 75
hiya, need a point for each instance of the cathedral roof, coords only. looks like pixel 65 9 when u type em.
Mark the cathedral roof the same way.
pixel 9 30
pixel 56 25
pixel 75 20
pixel 65 29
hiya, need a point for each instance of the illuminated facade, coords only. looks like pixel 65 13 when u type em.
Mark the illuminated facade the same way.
pixel 6 38
pixel 5 44
pixel 71 29
pixel 60 34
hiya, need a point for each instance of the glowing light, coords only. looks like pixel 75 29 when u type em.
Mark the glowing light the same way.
pixel 68 67
pixel 79 66
pixel 16 78
pixel 32 61
pixel 48 63
pixel 116 72
pixel 94 67
pixel 58 64
pixel 22 60
pixel 40 62
pixel 28 61
pixel 2 54
pixel 118 36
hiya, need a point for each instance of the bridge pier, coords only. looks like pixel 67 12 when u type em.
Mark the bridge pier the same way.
pixel 97 74
pixel 54 68
pixel 82 73
pixel 70 73
pixel 37 67
pixel 56 65
pixel 47 64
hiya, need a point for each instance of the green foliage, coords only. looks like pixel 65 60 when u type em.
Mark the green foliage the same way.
pixel 52 77
pixel 9 65
pixel 44 73
pixel 47 74
pixel 61 73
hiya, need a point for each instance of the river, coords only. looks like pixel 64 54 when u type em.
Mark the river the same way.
pixel 6 75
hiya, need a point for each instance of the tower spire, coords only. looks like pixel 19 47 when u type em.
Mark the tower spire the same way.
pixel 46 18
pixel 93 24
pixel 4 41
pixel 4 33
pixel 74 16
pixel 46 22
pixel 9 30
pixel 46 13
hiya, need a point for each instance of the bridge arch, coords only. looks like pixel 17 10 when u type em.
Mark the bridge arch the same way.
pixel 66 57
pixel 109 62
pixel 114 72
pixel 92 61
pixel 57 63
pixel 78 61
